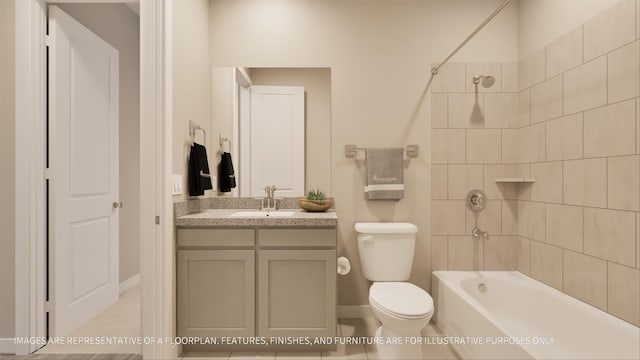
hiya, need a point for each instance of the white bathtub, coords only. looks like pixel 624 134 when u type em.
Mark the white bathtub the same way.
pixel 513 316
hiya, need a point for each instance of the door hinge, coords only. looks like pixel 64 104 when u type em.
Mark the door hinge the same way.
pixel 47 173
pixel 48 41
pixel 157 220
pixel 48 306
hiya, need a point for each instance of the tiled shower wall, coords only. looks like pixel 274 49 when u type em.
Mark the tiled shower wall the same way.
pixel 576 130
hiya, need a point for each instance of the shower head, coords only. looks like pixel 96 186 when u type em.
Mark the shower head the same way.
pixel 487 80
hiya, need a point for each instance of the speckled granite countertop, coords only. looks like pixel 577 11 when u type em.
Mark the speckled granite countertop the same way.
pixel 222 218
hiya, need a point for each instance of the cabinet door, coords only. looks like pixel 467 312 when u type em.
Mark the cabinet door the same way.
pixel 297 293
pixel 216 293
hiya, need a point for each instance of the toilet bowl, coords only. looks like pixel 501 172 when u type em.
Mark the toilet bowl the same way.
pixel 403 309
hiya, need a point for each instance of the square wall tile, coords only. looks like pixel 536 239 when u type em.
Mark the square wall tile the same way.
pixel 610 235
pixel 448 146
pixel 546 100
pixel 509 217
pixel 511 146
pixel 524 255
pixel 585 278
pixel 565 53
pixel 447 217
pixel 585 87
pixel 611 29
pixel 624 73
pixel 484 146
pixel 450 79
pixel 510 77
pixel 462 178
pixel 439 188
pixel 489 219
pixel 623 183
pixel 564 138
pixel 565 226
pixel 585 182
pixel 500 110
pixel 439 110
pixel 524 109
pixel 477 69
pixel 548 185
pixel 495 190
pixel 531 220
pixel 438 253
pixel 624 293
pixel 531 147
pixel 546 264
pixel 531 69
pixel 609 130
pixel 465 253
pixel 465 110
pixel 501 253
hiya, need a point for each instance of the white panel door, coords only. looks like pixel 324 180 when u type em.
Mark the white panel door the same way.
pixel 83 135
pixel 277 139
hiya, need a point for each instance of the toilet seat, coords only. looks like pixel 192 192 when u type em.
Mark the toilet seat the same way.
pixel 401 299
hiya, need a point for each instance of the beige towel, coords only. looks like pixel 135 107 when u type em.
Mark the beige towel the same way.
pixel 385 174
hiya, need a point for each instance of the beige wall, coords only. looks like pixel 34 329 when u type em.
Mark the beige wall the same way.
pixel 541 21
pixel 317 88
pixel 576 131
pixel 7 163
pixel 120 27
pixel 191 82
pixel 379 53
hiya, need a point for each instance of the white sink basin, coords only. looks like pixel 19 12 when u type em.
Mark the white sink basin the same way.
pixel 261 214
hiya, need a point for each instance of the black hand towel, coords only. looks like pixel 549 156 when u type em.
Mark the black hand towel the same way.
pixel 199 177
pixel 226 175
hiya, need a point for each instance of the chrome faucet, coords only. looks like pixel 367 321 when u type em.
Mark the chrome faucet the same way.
pixel 272 204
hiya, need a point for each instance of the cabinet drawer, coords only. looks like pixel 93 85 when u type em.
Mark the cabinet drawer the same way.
pixel 216 237
pixel 297 237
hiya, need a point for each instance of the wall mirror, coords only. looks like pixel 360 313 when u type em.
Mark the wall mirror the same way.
pixel 276 124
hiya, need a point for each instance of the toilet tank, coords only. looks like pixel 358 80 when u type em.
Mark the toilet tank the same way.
pixel 386 250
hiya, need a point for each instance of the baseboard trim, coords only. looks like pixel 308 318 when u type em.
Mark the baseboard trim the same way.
pixel 7 346
pixel 354 311
pixel 129 283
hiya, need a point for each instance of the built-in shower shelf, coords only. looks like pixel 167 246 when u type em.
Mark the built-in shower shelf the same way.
pixel 515 180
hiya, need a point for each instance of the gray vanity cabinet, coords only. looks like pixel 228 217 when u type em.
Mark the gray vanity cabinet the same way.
pixel 216 283
pixel 271 283
pixel 297 283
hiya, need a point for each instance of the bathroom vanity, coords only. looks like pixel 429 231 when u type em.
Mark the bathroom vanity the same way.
pixel 270 278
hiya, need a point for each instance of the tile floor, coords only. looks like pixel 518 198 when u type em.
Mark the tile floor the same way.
pixel 347 327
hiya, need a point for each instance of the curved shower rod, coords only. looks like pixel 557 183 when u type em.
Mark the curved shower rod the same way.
pixel 436 69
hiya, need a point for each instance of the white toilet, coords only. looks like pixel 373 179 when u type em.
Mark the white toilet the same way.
pixel 404 309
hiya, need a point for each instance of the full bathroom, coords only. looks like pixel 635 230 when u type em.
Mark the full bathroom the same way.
pixel 525 171
pixel 383 179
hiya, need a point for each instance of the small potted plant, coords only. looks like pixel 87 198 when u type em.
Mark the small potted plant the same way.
pixel 315 201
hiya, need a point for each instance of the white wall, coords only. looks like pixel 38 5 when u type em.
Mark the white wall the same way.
pixel 542 21
pixel 7 162
pixel 380 53
pixel 118 25
pixel 191 82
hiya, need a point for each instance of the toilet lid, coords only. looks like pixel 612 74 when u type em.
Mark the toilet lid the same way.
pixel 401 298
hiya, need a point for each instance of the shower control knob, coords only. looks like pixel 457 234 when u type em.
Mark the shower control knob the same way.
pixel 476 200
pixel 117 205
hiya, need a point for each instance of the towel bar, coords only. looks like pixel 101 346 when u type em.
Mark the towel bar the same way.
pixel 350 151
pixel 193 127
pixel 221 140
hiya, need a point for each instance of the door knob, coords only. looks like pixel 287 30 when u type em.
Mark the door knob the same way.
pixel 117 205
